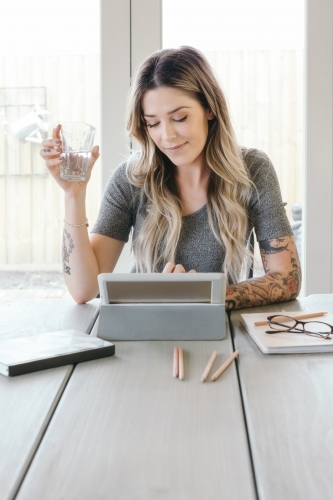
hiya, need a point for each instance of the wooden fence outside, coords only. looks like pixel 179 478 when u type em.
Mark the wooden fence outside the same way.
pixel 265 94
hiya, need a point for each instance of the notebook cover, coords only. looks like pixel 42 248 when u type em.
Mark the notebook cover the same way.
pixel 49 350
pixel 285 343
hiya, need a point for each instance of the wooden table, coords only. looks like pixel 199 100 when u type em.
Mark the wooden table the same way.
pixel 126 429
pixel 123 427
pixel 288 406
pixel 28 401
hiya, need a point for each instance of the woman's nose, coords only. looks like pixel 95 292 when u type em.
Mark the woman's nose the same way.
pixel 168 132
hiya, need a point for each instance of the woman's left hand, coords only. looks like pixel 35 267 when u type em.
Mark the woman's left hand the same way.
pixel 175 268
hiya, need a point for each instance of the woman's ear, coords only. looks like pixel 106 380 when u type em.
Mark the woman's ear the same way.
pixel 210 114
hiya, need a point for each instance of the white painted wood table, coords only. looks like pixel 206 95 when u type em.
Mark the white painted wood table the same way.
pixel 126 429
pixel 27 402
pixel 288 406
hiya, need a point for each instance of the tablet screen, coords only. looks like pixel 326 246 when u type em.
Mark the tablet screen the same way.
pixel 159 291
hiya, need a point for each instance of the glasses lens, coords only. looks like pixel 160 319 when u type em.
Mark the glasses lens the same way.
pixel 282 323
pixel 317 327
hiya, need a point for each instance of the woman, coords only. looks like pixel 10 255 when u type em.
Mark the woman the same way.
pixel 191 196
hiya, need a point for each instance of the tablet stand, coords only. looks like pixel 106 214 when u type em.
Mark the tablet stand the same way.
pixel 162 306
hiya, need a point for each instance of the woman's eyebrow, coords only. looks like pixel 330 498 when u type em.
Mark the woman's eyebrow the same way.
pixel 169 112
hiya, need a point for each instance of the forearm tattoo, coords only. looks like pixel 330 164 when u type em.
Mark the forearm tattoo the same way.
pixel 268 247
pixel 274 286
pixel 67 248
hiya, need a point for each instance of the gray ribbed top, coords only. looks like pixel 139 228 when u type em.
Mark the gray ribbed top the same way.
pixel 123 209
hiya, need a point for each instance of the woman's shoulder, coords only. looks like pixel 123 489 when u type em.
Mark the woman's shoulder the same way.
pixel 122 186
pixel 253 156
pixel 133 159
pixel 121 174
pixel 258 164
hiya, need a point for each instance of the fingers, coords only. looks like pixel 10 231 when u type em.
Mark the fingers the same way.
pixel 94 156
pixel 179 269
pixel 56 132
pixel 51 156
pixel 51 164
pixel 95 153
pixel 51 143
pixel 52 146
pixel 172 268
pixel 51 151
pixel 169 268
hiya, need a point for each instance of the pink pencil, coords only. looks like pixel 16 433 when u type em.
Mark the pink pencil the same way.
pixel 181 364
pixel 224 366
pixel 175 362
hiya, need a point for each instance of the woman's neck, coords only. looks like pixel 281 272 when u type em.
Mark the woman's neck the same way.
pixel 192 185
pixel 192 177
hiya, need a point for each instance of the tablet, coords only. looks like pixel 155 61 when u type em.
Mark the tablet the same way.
pixel 150 288
pixel 155 306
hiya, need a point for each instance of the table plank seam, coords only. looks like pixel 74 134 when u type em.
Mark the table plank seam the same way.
pixel 52 411
pixel 61 392
pixel 243 410
pixel 93 320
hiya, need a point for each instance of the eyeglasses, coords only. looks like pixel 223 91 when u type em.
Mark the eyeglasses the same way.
pixel 280 324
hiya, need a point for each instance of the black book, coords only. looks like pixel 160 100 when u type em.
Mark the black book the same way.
pixel 48 350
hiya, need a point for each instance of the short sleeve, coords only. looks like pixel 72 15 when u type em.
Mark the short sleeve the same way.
pixel 115 217
pixel 267 211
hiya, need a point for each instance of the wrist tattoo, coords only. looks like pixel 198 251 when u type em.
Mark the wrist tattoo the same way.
pixel 67 248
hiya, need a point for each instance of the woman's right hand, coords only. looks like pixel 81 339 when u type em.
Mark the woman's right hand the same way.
pixel 51 155
pixel 170 267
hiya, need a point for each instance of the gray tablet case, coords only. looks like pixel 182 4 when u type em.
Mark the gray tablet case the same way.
pixel 159 306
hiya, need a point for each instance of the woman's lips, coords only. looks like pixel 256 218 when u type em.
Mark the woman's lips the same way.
pixel 176 148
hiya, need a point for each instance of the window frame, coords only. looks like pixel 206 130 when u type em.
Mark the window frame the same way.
pixel 134 28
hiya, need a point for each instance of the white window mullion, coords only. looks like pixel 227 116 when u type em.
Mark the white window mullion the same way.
pixel 130 31
pixel 319 148
pixel 146 30
pixel 115 82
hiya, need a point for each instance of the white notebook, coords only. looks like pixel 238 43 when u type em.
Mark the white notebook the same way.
pixel 280 343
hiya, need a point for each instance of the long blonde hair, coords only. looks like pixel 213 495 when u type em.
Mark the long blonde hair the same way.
pixel 229 187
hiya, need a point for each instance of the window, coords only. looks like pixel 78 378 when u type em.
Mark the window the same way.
pixel 257 51
pixel 49 73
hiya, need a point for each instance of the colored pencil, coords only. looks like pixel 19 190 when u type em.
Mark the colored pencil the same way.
pixel 181 363
pixel 175 362
pixel 295 316
pixel 225 365
pixel 209 366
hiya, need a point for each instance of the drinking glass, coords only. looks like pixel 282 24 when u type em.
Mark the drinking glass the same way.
pixel 77 143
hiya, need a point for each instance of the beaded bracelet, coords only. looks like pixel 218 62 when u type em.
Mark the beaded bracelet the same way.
pixel 77 225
